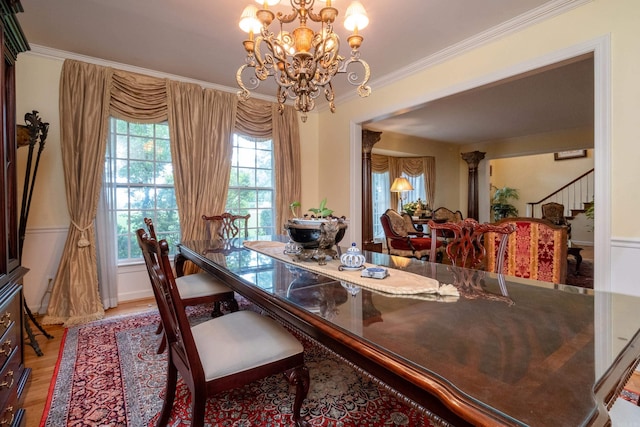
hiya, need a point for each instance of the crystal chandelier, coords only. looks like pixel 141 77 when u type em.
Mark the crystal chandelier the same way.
pixel 303 61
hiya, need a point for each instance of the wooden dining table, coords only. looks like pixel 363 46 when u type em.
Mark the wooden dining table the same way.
pixel 505 351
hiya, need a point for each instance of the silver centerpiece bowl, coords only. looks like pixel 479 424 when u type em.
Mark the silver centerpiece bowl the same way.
pixel 315 239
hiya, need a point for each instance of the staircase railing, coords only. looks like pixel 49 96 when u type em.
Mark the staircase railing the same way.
pixel 572 195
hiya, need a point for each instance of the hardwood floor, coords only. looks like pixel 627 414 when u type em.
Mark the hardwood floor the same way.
pixel 42 367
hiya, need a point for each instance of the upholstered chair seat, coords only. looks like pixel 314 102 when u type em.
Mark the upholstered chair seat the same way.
pixel 250 340
pixel 199 285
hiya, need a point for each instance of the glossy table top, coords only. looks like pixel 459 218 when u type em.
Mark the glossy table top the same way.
pixel 525 352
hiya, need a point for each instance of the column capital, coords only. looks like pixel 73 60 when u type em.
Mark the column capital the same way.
pixel 472 158
pixel 369 138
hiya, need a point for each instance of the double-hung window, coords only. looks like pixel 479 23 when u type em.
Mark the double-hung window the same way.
pixel 138 167
pixel 252 183
pixel 138 162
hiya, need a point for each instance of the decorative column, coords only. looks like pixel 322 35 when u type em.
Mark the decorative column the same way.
pixel 369 138
pixel 473 159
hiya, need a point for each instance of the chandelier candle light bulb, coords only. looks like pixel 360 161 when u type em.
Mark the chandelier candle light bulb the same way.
pixel 302 61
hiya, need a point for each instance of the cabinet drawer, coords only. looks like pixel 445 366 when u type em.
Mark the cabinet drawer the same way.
pixel 9 313
pixel 9 377
pixel 8 342
pixel 12 415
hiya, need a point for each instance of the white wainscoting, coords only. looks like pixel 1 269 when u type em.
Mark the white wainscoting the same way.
pixel 625 261
pixel 41 255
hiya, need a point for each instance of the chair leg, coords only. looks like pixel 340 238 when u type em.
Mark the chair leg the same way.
pixel 232 305
pixel 198 408
pixel 163 343
pixel 216 310
pixel 298 377
pixel 162 346
pixel 167 406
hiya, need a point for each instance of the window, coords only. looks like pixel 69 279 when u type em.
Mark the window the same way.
pixel 418 192
pixel 251 186
pixel 139 161
pixel 381 200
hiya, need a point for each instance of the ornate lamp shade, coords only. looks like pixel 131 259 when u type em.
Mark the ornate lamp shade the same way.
pixel 401 184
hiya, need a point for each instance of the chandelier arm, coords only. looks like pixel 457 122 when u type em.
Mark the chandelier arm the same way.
pixel 315 17
pixel 265 63
pixel 243 93
pixel 330 96
pixel 363 89
pixel 286 19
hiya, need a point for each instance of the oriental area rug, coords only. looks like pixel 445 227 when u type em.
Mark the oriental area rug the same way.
pixel 108 374
pixel 583 277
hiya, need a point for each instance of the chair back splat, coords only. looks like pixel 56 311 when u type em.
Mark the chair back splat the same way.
pixel 226 226
pixel 465 247
pixel 222 353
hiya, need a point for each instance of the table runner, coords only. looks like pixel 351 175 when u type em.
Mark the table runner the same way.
pixel 398 282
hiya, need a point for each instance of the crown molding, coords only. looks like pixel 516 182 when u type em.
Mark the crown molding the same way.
pixel 542 13
pixel 61 55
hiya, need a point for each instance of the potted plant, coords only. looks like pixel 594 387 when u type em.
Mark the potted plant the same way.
pixel 319 213
pixel 500 202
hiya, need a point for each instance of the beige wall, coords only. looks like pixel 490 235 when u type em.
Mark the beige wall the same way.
pixel 327 149
pixel 37 87
pixel 524 174
pixel 593 20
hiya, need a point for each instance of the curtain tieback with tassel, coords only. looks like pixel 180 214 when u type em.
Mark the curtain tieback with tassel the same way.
pixel 82 241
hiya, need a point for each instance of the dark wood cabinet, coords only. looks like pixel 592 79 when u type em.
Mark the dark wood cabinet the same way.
pixel 13 374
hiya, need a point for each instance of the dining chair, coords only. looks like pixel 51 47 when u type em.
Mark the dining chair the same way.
pixel 536 250
pixel 222 353
pixel 223 228
pixel 465 246
pixel 226 225
pixel 199 288
pixel 554 212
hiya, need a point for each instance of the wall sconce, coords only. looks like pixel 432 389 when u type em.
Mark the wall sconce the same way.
pixel 399 186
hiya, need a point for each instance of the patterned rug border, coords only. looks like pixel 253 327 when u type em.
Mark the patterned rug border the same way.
pixel 65 365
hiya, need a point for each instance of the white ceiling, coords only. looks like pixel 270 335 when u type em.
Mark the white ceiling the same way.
pixel 201 40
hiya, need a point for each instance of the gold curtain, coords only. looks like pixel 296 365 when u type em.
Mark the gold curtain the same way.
pixel 200 124
pixel 136 97
pixel 411 166
pixel 261 119
pixel 415 166
pixel 84 120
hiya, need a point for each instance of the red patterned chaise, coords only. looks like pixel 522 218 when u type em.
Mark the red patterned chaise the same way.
pixel 537 250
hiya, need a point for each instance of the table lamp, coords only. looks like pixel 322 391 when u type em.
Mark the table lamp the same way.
pixel 399 185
